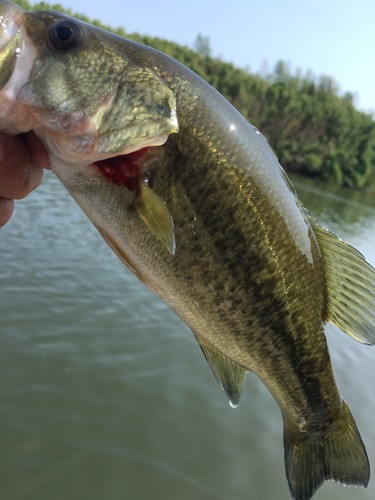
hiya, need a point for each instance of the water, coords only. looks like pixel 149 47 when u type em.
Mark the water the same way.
pixel 105 394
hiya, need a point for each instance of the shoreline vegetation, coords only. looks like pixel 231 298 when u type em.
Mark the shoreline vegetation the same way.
pixel 313 130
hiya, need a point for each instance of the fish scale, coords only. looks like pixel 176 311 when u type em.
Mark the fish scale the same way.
pixel 236 253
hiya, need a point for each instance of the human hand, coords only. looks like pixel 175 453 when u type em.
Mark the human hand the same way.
pixel 22 160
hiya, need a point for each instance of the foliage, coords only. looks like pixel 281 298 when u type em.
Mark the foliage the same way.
pixel 311 128
pixel 202 45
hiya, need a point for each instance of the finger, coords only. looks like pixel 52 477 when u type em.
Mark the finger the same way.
pixel 6 210
pixel 19 173
pixel 38 150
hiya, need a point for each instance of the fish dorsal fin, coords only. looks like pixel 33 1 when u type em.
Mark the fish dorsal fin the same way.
pixel 229 374
pixel 153 211
pixel 350 282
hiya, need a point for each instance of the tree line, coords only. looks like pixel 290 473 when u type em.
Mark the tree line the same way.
pixel 312 129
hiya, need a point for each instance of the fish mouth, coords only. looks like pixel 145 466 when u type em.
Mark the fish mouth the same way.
pixel 17 56
pixel 11 35
pixel 11 20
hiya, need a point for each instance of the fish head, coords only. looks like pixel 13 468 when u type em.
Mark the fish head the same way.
pixel 91 100
pixel 82 96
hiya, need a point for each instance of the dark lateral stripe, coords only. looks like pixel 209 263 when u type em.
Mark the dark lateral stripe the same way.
pixel 216 205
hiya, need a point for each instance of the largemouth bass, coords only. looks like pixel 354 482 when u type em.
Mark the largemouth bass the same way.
pixel 192 199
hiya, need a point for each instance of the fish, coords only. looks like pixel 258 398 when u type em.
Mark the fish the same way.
pixel 193 200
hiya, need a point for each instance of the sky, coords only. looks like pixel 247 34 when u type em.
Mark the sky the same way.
pixel 328 37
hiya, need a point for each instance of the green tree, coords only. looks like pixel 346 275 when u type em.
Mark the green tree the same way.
pixel 202 45
pixel 312 129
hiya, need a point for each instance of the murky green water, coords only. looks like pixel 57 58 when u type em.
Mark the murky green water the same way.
pixel 104 392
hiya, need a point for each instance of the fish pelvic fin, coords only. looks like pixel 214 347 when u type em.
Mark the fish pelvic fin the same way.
pixel 155 214
pixel 229 374
pixel 338 455
pixel 350 284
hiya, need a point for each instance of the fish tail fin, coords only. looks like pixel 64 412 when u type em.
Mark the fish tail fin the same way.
pixel 337 455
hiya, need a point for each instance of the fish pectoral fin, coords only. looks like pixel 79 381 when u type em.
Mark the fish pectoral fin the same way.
pixel 155 214
pixel 350 283
pixel 229 374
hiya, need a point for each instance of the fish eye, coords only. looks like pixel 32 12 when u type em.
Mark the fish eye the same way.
pixel 65 35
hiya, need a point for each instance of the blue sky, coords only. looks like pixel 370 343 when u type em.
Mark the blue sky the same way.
pixel 330 37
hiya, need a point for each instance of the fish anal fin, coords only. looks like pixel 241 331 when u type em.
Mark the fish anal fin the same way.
pixel 350 285
pixel 229 374
pixel 311 459
pixel 155 214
